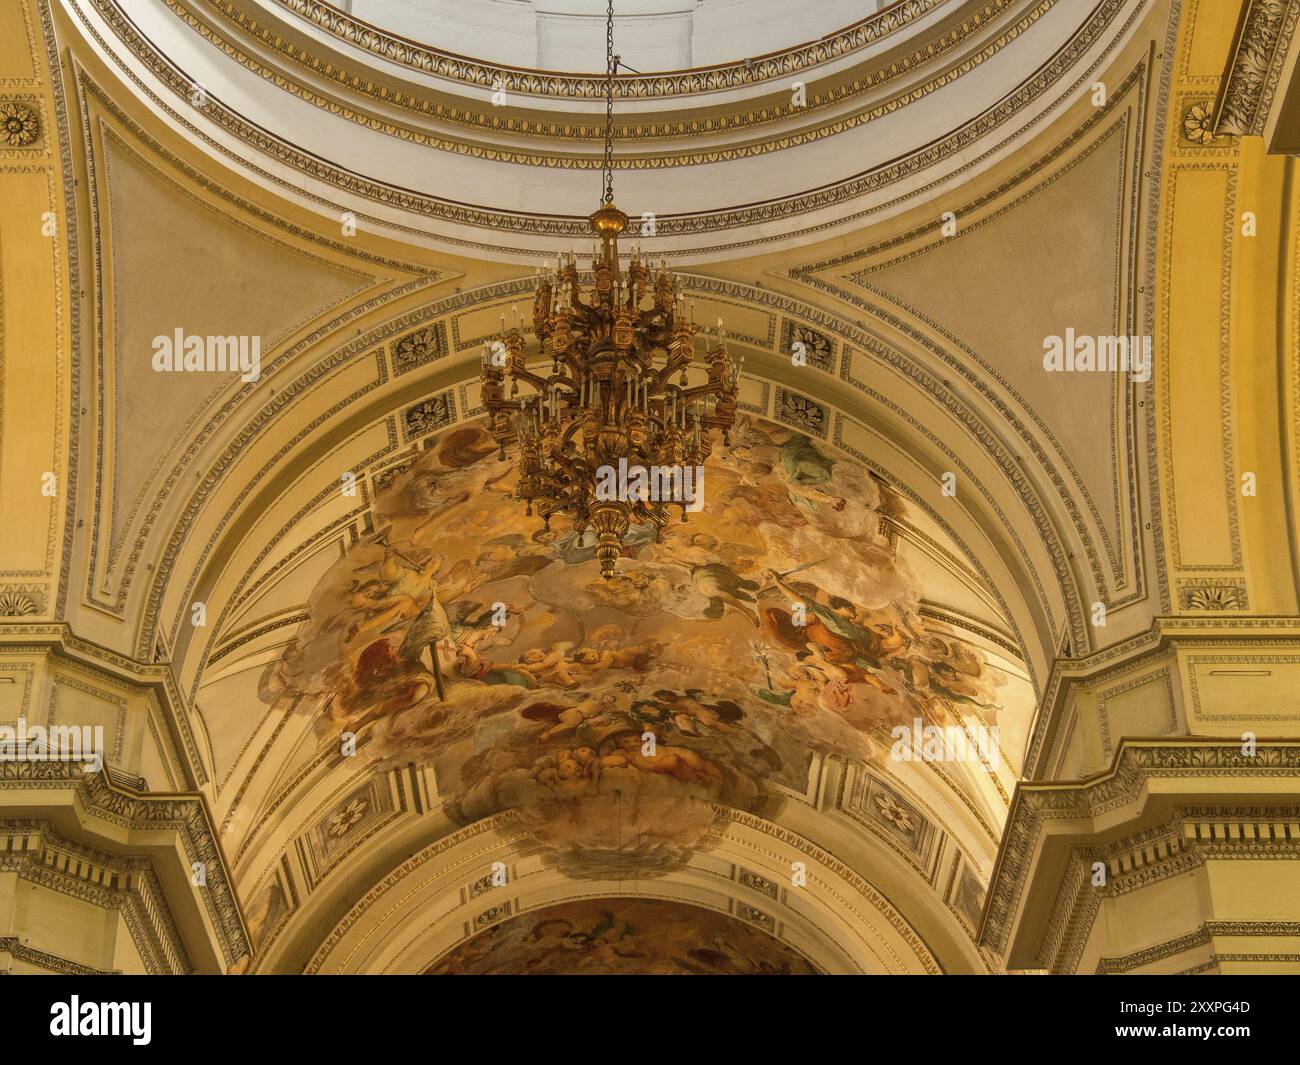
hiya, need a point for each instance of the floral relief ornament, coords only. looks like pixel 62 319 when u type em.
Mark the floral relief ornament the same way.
pixel 418 347
pixel 1198 125
pixel 820 350
pixel 16 604
pixel 895 813
pixel 343 821
pixel 802 412
pixel 21 126
pixel 428 415
pixel 1213 597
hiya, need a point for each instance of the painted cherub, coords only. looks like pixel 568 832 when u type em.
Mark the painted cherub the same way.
pixel 678 762
pixel 570 770
pixel 591 708
pixel 549 665
pixel 689 712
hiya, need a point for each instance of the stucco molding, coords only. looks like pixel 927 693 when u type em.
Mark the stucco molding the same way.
pixel 20 951
pixel 184 814
pixel 1255 66
pixel 497 121
pixel 738 838
pixel 1202 937
pixel 423 59
pixel 1145 648
pixel 42 857
pixel 157 679
pixel 1107 21
pixel 1136 764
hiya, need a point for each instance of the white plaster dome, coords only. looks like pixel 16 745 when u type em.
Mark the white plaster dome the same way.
pixel 478 124
pixel 649 35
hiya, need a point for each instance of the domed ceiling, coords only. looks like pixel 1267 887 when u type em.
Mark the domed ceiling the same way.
pixel 446 144
pixel 569 35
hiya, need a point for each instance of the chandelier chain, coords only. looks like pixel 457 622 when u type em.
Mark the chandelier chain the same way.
pixel 611 64
pixel 613 418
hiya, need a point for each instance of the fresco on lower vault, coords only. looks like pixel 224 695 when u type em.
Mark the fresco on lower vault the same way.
pixel 615 937
pixel 548 677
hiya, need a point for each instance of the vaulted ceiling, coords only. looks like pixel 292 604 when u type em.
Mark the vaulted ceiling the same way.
pixel 920 198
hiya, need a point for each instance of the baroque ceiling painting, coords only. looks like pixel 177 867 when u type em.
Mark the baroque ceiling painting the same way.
pixel 778 623
pixel 650 487
pixel 622 937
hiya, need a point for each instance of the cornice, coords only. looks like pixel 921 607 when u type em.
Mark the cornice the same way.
pixel 35 851
pixel 1177 846
pixel 1113 966
pixel 186 814
pixel 154 677
pixel 1136 762
pixel 1255 66
pixel 1202 937
pixel 17 949
pixel 1164 634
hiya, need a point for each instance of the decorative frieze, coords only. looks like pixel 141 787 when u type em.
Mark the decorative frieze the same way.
pixel 1255 69
pixel 759 883
pixel 492 916
pixel 1216 593
pixel 1202 937
pixel 17 950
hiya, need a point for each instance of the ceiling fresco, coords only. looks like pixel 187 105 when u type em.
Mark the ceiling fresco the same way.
pixel 621 937
pixel 616 716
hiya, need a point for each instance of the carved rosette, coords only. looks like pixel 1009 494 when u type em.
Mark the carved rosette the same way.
pixel 19 124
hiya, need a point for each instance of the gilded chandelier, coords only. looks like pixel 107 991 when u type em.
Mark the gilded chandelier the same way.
pixel 623 382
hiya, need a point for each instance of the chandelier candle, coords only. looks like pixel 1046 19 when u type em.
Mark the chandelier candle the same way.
pixel 624 388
